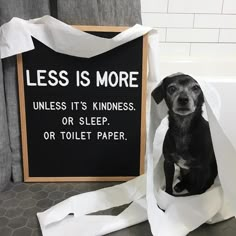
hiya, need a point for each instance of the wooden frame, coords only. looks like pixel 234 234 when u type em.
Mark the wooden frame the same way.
pixel 27 178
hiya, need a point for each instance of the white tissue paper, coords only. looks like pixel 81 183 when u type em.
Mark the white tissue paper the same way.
pixel 146 192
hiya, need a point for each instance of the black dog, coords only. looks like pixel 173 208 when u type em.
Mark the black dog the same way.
pixel 188 141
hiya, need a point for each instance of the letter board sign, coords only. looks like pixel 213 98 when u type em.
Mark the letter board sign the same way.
pixel 83 119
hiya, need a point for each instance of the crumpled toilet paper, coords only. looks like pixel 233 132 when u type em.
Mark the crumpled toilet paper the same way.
pixel 145 193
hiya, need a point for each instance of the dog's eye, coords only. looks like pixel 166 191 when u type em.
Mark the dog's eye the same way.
pixel 171 89
pixel 195 88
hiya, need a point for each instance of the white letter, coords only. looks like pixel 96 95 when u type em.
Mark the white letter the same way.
pixel 132 79
pixel 66 80
pixel 50 75
pixel 123 78
pixel 113 84
pixel 28 79
pixel 41 77
pixel 102 81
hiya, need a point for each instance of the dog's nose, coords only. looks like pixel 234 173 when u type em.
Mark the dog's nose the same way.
pixel 183 100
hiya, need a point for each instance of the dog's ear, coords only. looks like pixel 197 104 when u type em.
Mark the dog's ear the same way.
pixel 158 93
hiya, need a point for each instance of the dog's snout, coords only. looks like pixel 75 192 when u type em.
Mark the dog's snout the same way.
pixel 183 100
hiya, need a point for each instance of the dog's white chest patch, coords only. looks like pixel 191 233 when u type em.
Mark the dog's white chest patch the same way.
pixel 182 163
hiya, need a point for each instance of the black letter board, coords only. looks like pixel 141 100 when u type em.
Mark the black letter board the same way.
pixel 83 119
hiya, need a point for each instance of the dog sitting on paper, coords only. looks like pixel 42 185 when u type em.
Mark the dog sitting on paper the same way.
pixel 187 144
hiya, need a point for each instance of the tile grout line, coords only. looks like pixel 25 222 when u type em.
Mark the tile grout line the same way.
pixel 219 36
pixel 190 49
pixel 190 28
pixel 196 42
pixel 222 7
pixel 188 13
pixel 166 35
pixel 193 21
pixel 168 4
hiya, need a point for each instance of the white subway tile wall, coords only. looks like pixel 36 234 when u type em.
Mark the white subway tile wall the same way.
pixel 192 35
pixel 193 27
pixel 168 20
pixel 195 6
pixel 175 49
pixel 213 49
pixel 229 7
pixel 228 35
pixel 155 6
pixel 215 21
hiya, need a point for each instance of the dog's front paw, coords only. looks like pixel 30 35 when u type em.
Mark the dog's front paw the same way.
pixel 169 191
pixel 179 187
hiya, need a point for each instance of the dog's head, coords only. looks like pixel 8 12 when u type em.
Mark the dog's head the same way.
pixel 181 92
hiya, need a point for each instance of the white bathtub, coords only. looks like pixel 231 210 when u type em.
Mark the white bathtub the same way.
pixel 221 73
